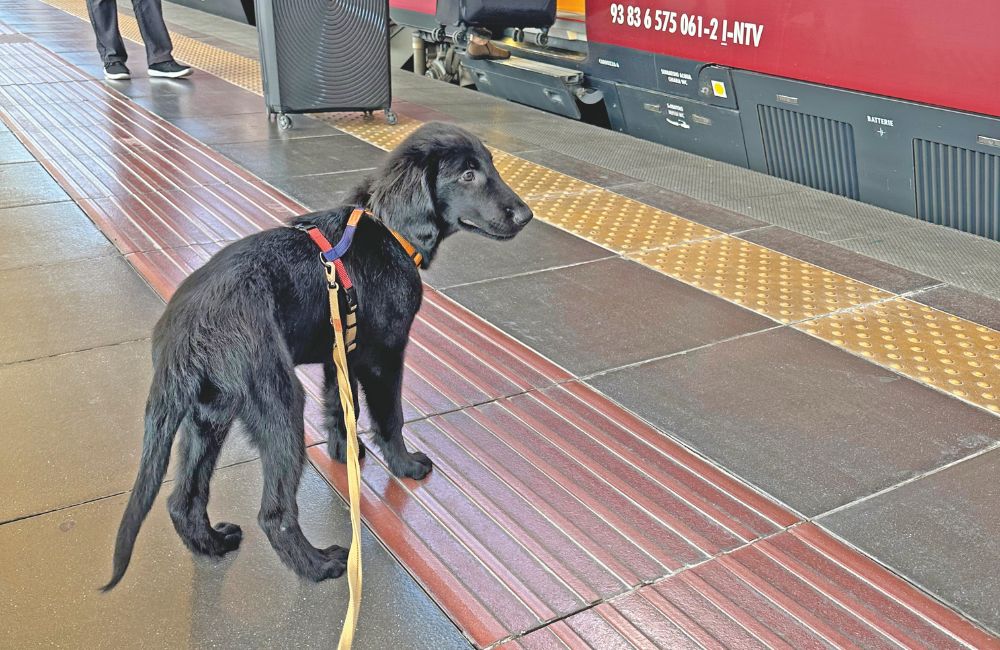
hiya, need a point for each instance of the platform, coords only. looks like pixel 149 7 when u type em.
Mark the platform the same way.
pixel 690 406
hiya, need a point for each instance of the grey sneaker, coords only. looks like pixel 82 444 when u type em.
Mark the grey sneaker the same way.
pixel 116 70
pixel 170 69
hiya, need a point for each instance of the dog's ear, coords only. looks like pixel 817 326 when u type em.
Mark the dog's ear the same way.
pixel 406 194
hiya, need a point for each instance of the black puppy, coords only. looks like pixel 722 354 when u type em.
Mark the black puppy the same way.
pixel 227 345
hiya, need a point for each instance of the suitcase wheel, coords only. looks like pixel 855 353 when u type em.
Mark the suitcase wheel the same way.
pixel 390 117
pixel 369 115
pixel 284 122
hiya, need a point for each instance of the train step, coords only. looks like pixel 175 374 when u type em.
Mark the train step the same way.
pixel 544 86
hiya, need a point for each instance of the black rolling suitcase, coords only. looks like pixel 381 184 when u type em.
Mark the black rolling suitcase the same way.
pixel 323 55
pixel 496 15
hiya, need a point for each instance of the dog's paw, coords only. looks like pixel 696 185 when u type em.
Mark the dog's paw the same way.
pixel 338 450
pixel 213 542
pixel 415 465
pixel 229 536
pixel 336 563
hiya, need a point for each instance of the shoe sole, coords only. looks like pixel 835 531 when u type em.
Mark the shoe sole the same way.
pixel 170 75
pixel 117 76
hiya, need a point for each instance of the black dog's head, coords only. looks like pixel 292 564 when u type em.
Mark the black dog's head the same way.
pixel 439 180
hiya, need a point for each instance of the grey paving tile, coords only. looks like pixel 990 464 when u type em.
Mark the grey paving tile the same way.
pixel 941 531
pixel 961 259
pixel 710 180
pixel 494 111
pixel 86 56
pixel 27 184
pixel 208 103
pixel 12 151
pixel 78 436
pixel 445 97
pixel 63 42
pixel 419 112
pixel 169 598
pixel 73 306
pixel 193 87
pixel 684 206
pixel 95 70
pixel 577 168
pixel 605 314
pixel 819 215
pixel 320 155
pixel 502 141
pixel 321 191
pixel 603 147
pixel 860 267
pixel 966 304
pixel 251 127
pixel 49 233
pixel 806 422
pixel 467 257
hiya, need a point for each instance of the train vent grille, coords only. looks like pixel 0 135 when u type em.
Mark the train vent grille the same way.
pixel 810 150
pixel 957 187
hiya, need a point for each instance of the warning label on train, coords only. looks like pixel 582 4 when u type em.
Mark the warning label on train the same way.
pixel 722 30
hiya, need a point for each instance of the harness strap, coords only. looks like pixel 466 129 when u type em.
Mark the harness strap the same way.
pixel 408 247
pixel 331 256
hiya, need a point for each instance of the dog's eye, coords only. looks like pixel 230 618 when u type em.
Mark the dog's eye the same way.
pixel 469 175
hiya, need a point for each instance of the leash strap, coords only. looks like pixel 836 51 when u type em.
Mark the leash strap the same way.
pixel 353 467
pixel 341 289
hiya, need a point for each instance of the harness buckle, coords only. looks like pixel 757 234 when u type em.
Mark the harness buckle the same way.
pixel 331 273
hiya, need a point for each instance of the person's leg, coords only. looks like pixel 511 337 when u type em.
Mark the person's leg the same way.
pixel 149 14
pixel 104 19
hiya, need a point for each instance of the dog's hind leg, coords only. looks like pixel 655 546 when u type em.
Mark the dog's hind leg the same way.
pixel 334 414
pixel 204 433
pixel 384 395
pixel 274 417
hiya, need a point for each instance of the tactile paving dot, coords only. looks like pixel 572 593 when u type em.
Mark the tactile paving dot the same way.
pixel 781 287
pixel 617 222
pixel 930 346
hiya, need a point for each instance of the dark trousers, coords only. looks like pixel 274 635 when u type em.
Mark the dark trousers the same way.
pixel 149 14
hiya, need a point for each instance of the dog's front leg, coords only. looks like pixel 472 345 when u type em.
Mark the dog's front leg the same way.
pixel 383 386
pixel 334 414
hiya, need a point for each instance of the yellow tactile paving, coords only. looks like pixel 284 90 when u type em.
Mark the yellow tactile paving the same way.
pixel 923 343
pixel 927 345
pixel 617 222
pixel 771 283
pixel 531 180
pixel 373 130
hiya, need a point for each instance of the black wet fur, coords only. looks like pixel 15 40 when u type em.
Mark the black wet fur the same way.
pixel 228 342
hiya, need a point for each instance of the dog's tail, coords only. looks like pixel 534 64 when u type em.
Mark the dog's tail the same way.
pixel 165 409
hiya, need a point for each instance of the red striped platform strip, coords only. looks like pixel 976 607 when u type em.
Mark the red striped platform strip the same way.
pixel 553 517
pixel 798 589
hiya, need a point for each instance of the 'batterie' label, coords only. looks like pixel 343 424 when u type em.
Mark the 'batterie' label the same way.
pixel 724 31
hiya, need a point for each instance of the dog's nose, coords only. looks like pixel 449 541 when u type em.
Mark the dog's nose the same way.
pixel 520 216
